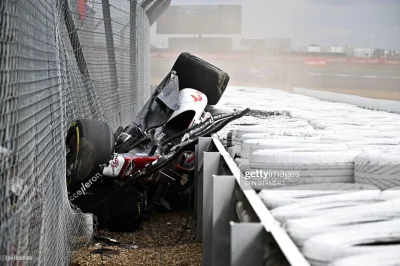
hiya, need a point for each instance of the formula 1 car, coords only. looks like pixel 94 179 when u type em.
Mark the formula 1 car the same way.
pixel 112 174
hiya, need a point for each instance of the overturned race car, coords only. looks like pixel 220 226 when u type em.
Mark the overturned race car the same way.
pixel 120 176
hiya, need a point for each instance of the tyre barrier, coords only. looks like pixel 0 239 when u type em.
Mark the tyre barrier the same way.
pixel 289 168
pixel 288 195
pixel 381 169
pixel 325 248
pixel 381 258
pixel 349 162
pixel 303 228
pixel 250 146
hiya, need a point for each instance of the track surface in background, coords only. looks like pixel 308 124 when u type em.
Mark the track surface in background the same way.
pixel 374 81
pixel 374 94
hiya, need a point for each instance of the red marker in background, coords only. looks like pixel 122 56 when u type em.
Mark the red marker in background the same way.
pixel 82 9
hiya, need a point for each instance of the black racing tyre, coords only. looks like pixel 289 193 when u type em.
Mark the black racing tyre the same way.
pixel 125 211
pixel 90 143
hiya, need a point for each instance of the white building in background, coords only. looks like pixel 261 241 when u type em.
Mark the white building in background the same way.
pixel 349 51
pixel 336 49
pixel 258 22
pixel 314 48
pixel 364 52
pixel 262 19
pixel 325 49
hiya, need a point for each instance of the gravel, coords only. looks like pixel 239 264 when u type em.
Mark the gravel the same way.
pixel 151 245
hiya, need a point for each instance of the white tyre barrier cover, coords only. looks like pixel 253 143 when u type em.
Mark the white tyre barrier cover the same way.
pixel 349 131
pixel 390 193
pixel 335 121
pixel 269 136
pixel 372 141
pixel 362 195
pixel 250 146
pixel 359 132
pixel 381 169
pixel 288 195
pixel 329 220
pixel 303 160
pixel 387 127
pixel 276 139
pixel 329 136
pixel 296 168
pixel 292 123
pixel 308 210
pixel 373 148
pixel 304 131
pixel 340 126
pixel 244 166
pixel 382 258
pixel 317 116
pixel 325 248
pixel 373 144
pixel 249 136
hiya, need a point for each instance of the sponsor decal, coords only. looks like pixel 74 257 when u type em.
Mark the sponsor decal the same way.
pixel 197 98
pixel 115 166
pixel 84 187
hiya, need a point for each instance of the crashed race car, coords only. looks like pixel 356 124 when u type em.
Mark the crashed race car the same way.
pixel 120 176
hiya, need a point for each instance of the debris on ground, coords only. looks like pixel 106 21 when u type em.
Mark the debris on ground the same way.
pixel 150 245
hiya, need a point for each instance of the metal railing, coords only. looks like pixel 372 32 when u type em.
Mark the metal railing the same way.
pixel 226 240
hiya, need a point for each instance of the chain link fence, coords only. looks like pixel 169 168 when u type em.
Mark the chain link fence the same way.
pixel 60 60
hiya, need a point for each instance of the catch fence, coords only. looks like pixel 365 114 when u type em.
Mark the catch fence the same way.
pixel 60 60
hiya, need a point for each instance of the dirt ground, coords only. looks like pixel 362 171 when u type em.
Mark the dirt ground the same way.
pixel 152 245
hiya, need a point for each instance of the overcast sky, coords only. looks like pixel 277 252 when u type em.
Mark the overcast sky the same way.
pixel 360 23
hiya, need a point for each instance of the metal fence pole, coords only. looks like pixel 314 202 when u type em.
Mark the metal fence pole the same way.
pixel 134 51
pixel 146 4
pixel 153 7
pixel 153 16
pixel 77 48
pixel 111 53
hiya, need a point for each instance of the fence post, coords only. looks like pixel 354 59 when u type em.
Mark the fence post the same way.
pixel 111 54
pixel 134 50
pixel 153 16
pixel 154 6
pixel 146 4
pixel 79 57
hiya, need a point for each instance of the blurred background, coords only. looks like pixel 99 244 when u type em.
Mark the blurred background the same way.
pixel 61 60
pixel 347 46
